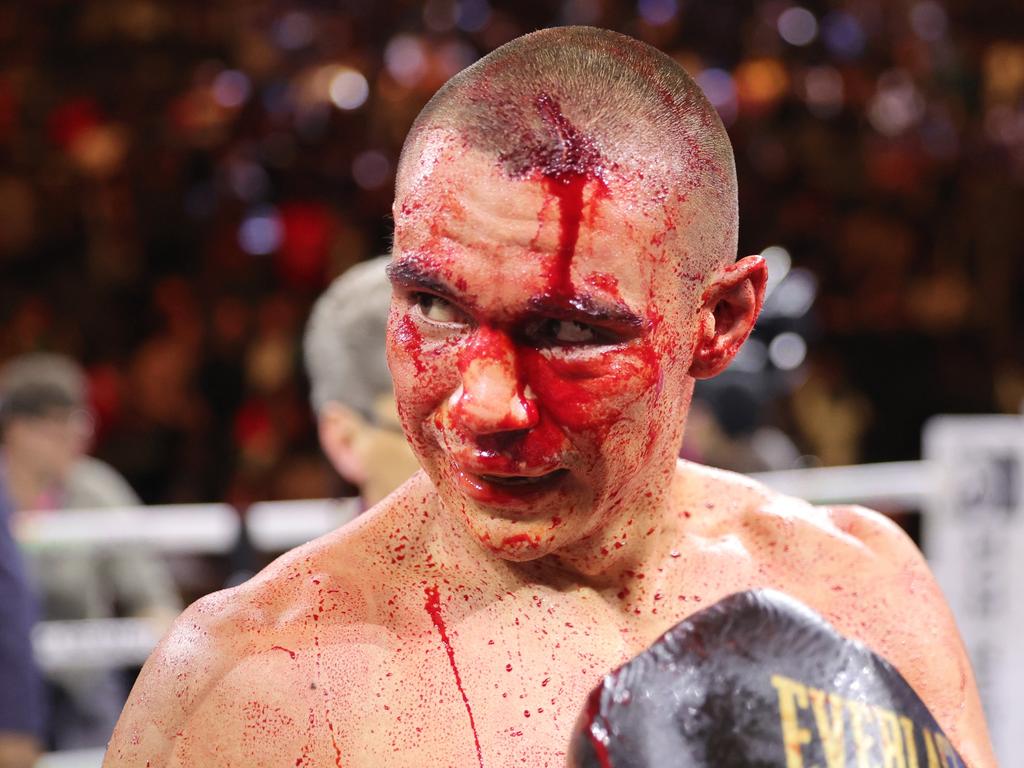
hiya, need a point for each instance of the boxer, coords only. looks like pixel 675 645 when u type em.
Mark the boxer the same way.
pixel 563 271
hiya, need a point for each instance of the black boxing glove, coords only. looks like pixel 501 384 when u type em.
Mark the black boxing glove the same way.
pixel 757 680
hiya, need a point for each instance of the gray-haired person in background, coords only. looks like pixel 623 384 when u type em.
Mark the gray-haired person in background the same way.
pixel 45 433
pixel 350 385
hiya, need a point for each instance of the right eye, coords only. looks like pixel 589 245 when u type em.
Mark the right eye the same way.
pixel 438 310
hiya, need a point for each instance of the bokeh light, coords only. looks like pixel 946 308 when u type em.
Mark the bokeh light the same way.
pixel 248 180
pixel 787 351
pixel 761 84
pixel 294 30
pixel 824 91
pixel 440 15
pixel 897 104
pixel 371 169
pixel 581 12
pixel 797 26
pixel 720 89
pixel 779 261
pixel 231 88
pixel 794 296
pixel 473 15
pixel 405 58
pixel 752 357
pixel 657 12
pixel 349 89
pixel 843 35
pixel 928 20
pixel 261 231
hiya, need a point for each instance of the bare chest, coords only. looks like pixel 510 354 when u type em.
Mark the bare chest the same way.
pixel 446 681
pixel 449 674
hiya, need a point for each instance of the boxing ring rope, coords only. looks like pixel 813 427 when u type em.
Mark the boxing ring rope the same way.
pixel 214 529
pixel 207 529
pixel 895 483
pixel 61 646
pixel 276 526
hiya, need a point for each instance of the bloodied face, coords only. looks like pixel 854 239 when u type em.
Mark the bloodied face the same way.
pixel 540 338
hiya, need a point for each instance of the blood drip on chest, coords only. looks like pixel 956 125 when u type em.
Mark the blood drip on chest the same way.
pixel 433 607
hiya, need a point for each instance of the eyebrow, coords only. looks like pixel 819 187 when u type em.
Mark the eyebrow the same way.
pixel 411 275
pixel 584 306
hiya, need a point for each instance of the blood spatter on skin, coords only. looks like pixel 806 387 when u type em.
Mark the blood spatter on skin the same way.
pixel 433 607
pixel 561 152
pixel 292 654
pixel 604 282
pixel 408 335
pixel 520 539
pixel 582 394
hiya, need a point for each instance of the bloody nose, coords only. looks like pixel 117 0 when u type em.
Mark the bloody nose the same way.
pixel 491 397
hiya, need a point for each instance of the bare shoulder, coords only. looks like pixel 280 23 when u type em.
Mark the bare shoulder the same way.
pixel 258 641
pixel 734 502
pixel 859 570
pixel 829 556
pixel 208 642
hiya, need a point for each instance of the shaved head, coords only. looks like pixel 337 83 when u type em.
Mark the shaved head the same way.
pixel 581 101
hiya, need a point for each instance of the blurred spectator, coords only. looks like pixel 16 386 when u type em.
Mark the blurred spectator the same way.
pixel 45 427
pixel 351 389
pixel 21 688
pixel 830 414
pixel 724 429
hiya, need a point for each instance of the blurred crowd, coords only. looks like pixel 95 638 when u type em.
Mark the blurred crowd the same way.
pixel 178 182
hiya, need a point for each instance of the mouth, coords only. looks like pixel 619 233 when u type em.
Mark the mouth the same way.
pixel 508 489
pixel 520 481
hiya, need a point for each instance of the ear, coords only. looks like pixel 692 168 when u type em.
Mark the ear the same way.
pixel 339 428
pixel 729 309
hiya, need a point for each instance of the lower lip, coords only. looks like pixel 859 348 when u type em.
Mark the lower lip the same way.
pixel 486 491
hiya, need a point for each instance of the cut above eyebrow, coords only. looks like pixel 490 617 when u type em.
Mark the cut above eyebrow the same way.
pixel 411 275
pixel 584 306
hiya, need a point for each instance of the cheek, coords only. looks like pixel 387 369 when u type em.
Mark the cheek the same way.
pixel 423 370
pixel 404 348
pixel 591 396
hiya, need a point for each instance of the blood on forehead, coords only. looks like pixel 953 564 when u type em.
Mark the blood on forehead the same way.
pixel 565 159
pixel 561 153
pixel 542 144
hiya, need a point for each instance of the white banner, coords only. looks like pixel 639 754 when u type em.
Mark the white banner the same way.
pixel 974 536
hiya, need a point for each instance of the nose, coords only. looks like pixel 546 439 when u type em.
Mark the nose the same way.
pixel 491 397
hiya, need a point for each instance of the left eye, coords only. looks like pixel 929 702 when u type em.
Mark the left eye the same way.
pixel 564 332
pixel 437 309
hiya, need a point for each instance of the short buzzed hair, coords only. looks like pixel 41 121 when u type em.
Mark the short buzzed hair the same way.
pixel 344 340
pixel 580 99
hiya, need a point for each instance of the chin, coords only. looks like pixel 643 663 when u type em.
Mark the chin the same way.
pixel 520 546
pixel 510 536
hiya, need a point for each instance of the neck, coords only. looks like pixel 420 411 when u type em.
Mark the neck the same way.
pixel 642 528
pixel 625 545
pixel 25 486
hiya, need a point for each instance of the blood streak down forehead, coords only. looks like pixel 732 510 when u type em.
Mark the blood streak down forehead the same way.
pixel 589 102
